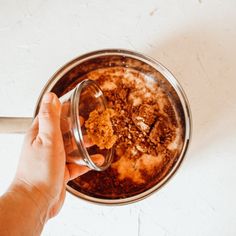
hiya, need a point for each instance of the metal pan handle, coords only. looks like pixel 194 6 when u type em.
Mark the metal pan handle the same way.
pixel 15 124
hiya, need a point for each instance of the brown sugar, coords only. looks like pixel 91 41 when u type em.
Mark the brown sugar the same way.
pixel 99 128
pixel 144 116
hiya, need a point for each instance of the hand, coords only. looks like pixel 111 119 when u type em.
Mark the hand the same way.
pixel 42 164
pixel 38 190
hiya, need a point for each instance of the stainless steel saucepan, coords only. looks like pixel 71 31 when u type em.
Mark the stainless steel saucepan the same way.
pixel 73 73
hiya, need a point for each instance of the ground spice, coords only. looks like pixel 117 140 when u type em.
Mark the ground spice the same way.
pixel 99 128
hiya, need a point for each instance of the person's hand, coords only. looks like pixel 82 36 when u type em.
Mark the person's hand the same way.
pixel 38 189
pixel 42 164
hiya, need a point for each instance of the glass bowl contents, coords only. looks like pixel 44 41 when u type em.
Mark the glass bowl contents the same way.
pixel 79 127
pixel 150 118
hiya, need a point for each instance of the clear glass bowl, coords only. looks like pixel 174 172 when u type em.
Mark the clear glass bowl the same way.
pixel 77 104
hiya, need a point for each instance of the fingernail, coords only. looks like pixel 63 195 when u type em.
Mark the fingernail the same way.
pixel 48 98
pixel 98 159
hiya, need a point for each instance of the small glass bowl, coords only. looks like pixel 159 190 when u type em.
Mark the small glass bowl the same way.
pixel 77 104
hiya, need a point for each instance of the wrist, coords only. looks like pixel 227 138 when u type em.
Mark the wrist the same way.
pixel 31 200
pixel 23 210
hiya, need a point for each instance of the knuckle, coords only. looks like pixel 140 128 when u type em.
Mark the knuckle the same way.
pixel 46 109
pixel 47 139
pixel 50 113
pixel 44 114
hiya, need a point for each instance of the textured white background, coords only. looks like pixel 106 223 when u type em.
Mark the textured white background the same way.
pixel 196 40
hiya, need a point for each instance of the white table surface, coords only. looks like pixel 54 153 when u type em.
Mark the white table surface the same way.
pixel 196 40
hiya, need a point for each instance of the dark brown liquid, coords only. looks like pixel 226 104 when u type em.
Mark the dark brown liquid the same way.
pixel 149 124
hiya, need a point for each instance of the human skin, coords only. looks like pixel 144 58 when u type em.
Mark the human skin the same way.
pixel 38 190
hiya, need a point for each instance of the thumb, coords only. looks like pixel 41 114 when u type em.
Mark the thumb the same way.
pixel 49 116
